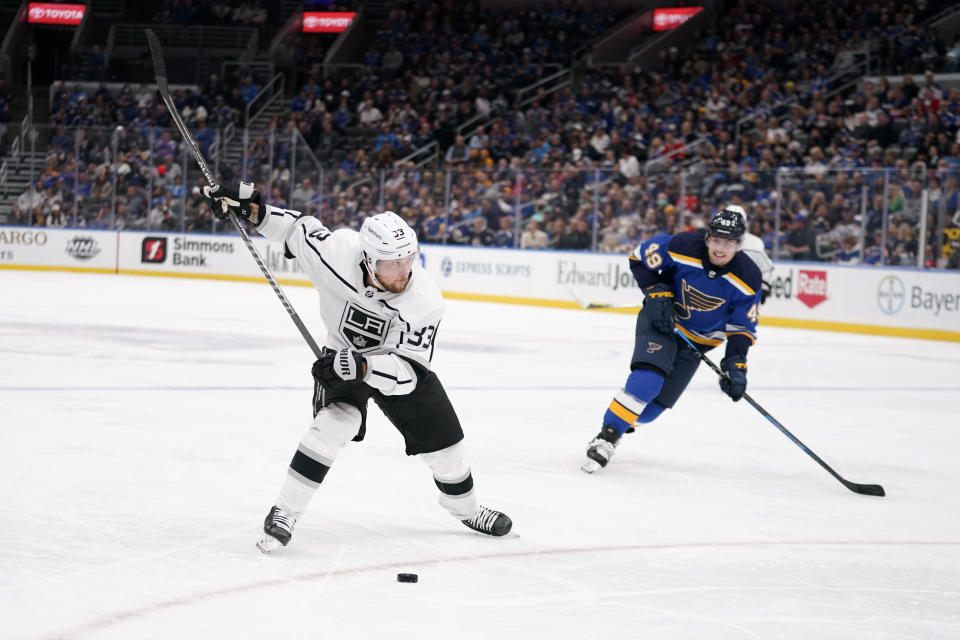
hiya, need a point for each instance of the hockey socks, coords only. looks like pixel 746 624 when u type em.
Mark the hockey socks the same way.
pixel 631 402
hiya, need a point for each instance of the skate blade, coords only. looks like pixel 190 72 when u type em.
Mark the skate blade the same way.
pixel 268 544
pixel 591 466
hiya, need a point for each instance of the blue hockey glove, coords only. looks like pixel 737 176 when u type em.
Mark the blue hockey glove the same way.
pixel 337 367
pixel 734 384
pixel 658 306
pixel 225 200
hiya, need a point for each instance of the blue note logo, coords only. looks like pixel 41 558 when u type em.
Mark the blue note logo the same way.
pixel 692 299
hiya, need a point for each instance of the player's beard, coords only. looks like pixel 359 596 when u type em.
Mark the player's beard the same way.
pixel 397 285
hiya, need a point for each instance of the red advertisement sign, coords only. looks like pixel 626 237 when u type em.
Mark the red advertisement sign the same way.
pixel 812 287
pixel 666 19
pixel 153 249
pixel 327 21
pixel 51 13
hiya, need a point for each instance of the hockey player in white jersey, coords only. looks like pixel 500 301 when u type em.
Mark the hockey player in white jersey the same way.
pixel 382 312
pixel 753 247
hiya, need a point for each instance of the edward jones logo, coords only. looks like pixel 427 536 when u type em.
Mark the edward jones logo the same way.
pixel 811 287
pixel 891 295
pixel 153 250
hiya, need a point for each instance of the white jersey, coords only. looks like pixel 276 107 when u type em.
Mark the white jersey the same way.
pixel 753 247
pixel 391 330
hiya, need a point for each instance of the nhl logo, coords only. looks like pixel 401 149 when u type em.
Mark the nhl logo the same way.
pixel 653 347
pixel 83 247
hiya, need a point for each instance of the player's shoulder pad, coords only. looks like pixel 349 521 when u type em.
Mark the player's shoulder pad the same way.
pixel 346 237
pixel 421 302
pixel 339 249
pixel 752 242
pixel 689 243
pixel 342 245
pixel 663 240
pixel 743 267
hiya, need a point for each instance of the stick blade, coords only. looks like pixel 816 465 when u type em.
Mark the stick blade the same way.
pixel 159 68
pixel 576 297
pixel 584 304
pixel 866 489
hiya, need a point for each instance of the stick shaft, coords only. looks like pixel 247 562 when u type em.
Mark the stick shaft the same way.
pixel 867 489
pixel 160 70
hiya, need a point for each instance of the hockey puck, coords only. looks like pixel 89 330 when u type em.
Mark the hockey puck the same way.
pixel 407 577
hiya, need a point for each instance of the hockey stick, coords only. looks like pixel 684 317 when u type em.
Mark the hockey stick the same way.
pixel 599 305
pixel 864 489
pixel 160 70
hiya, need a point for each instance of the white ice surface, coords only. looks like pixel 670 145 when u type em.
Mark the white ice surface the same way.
pixel 146 424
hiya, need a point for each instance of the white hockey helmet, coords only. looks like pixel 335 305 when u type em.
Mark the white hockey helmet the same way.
pixel 386 236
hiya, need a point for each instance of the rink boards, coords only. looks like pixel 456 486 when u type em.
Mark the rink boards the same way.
pixel 884 301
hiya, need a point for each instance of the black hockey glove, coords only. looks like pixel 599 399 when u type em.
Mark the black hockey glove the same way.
pixel 734 384
pixel 225 200
pixel 658 306
pixel 337 367
pixel 764 291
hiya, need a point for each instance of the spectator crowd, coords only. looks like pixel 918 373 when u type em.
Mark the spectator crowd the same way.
pixel 773 108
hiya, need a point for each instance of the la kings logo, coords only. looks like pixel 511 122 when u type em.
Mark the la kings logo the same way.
pixel 362 328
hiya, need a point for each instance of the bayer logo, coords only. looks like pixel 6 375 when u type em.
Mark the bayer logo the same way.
pixel 890 295
pixel 446 266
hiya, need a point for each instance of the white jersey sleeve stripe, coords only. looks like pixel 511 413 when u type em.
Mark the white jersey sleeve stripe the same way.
pixel 433 343
pixel 390 377
pixel 390 374
pixel 306 240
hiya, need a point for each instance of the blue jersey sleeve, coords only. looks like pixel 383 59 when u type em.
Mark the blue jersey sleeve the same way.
pixel 743 315
pixel 649 259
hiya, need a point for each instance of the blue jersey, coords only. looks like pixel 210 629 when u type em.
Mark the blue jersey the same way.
pixel 711 304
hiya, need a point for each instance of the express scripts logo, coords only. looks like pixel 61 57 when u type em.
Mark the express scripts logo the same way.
pixel 153 250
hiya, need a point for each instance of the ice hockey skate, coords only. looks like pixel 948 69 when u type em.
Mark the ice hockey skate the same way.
pixel 277 530
pixel 601 449
pixel 490 522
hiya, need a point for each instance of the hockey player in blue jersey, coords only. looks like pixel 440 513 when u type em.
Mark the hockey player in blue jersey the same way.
pixel 700 284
